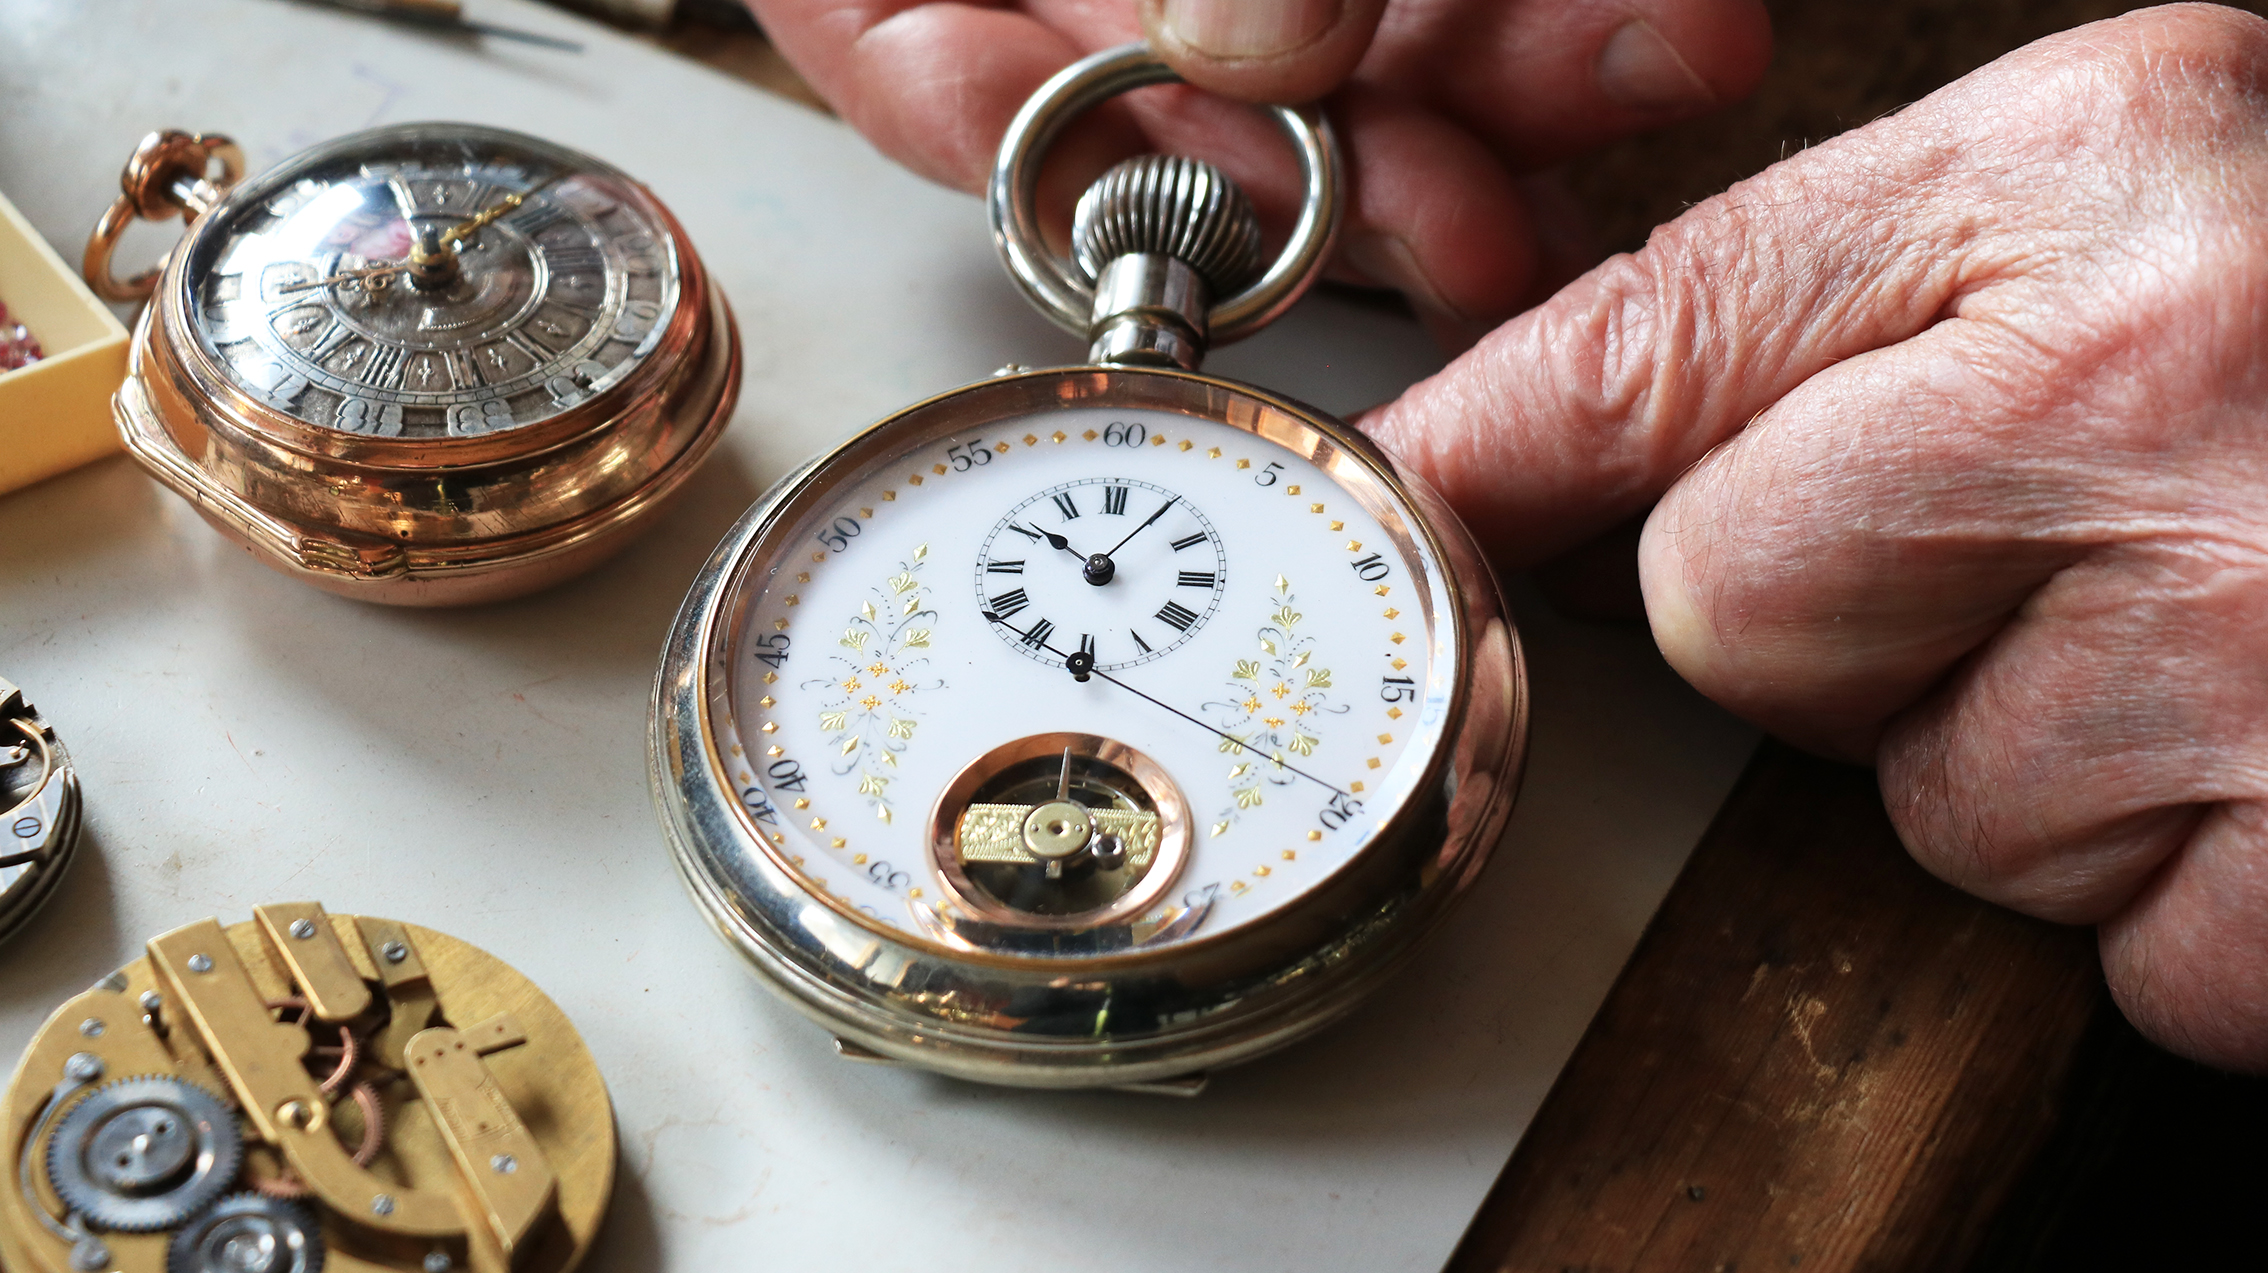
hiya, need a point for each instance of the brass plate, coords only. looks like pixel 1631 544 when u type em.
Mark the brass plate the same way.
pixel 561 1122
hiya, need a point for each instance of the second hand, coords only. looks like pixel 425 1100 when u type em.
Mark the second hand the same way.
pixel 1081 665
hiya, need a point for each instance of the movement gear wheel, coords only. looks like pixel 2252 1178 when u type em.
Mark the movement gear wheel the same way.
pixel 144 1153
pixel 247 1233
pixel 210 1097
pixel 39 809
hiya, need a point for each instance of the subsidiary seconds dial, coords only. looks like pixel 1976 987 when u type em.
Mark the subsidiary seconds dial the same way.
pixel 1124 570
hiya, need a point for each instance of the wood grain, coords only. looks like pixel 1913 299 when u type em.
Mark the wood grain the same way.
pixel 1819 1057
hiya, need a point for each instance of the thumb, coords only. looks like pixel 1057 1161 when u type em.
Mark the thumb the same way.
pixel 1285 51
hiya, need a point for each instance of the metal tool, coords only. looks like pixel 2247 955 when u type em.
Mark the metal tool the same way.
pixel 445 15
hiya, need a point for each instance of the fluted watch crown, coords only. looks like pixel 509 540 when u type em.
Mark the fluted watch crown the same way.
pixel 1169 204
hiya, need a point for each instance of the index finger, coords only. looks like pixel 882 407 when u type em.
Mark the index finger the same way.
pixel 931 84
pixel 1579 413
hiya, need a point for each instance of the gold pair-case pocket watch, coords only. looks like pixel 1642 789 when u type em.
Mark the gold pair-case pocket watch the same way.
pixel 427 364
pixel 1098 725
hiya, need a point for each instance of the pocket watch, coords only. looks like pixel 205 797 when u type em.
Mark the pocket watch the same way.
pixel 1098 725
pixel 427 364
pixel 300 1089
pixel 39 810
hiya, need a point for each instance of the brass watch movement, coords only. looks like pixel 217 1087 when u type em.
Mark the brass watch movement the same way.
pixel 305 1091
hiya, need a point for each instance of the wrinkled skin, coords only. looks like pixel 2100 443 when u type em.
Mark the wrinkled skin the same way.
pixel 1955 435
pixel 1959 430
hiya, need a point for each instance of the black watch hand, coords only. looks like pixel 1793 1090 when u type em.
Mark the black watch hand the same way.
pixel 1053 540
pixel 1081 665
pixel 1101 568
pixel 1144 526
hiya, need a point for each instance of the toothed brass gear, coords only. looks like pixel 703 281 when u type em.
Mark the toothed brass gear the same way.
pixel 248 1233
pixel 144 1153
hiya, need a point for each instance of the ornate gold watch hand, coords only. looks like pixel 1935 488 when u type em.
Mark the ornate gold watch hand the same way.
pixel 425 254
pixel 344 276
pixel 432 261
pixel 466 228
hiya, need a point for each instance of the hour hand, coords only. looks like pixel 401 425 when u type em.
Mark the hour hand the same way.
pixel 1053 540
pixel 344 276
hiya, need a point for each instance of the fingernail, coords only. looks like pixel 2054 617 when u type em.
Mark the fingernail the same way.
pixel 1640 70
pixel 1388 262
pixel 1248 28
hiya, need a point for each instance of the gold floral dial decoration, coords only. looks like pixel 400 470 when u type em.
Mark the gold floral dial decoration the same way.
pixel 869 713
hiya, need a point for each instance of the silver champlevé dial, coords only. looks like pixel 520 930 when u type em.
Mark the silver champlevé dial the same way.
pixel 558 295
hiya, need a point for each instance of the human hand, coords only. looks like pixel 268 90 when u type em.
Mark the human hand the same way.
pixel 1444 106
pixel 1959 430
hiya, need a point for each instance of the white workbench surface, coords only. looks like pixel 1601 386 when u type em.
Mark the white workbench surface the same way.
pixel 242 739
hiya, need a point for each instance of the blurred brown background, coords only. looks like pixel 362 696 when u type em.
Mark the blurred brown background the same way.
pixel 1836 65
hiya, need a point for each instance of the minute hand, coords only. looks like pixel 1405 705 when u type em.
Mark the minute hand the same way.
pixel 465 229
pixel 1144 526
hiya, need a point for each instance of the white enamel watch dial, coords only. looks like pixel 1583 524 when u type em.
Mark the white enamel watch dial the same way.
pixel 1266 642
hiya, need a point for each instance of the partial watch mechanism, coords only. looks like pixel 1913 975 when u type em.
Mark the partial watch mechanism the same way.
pixel 306 1088
pixel 39 810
